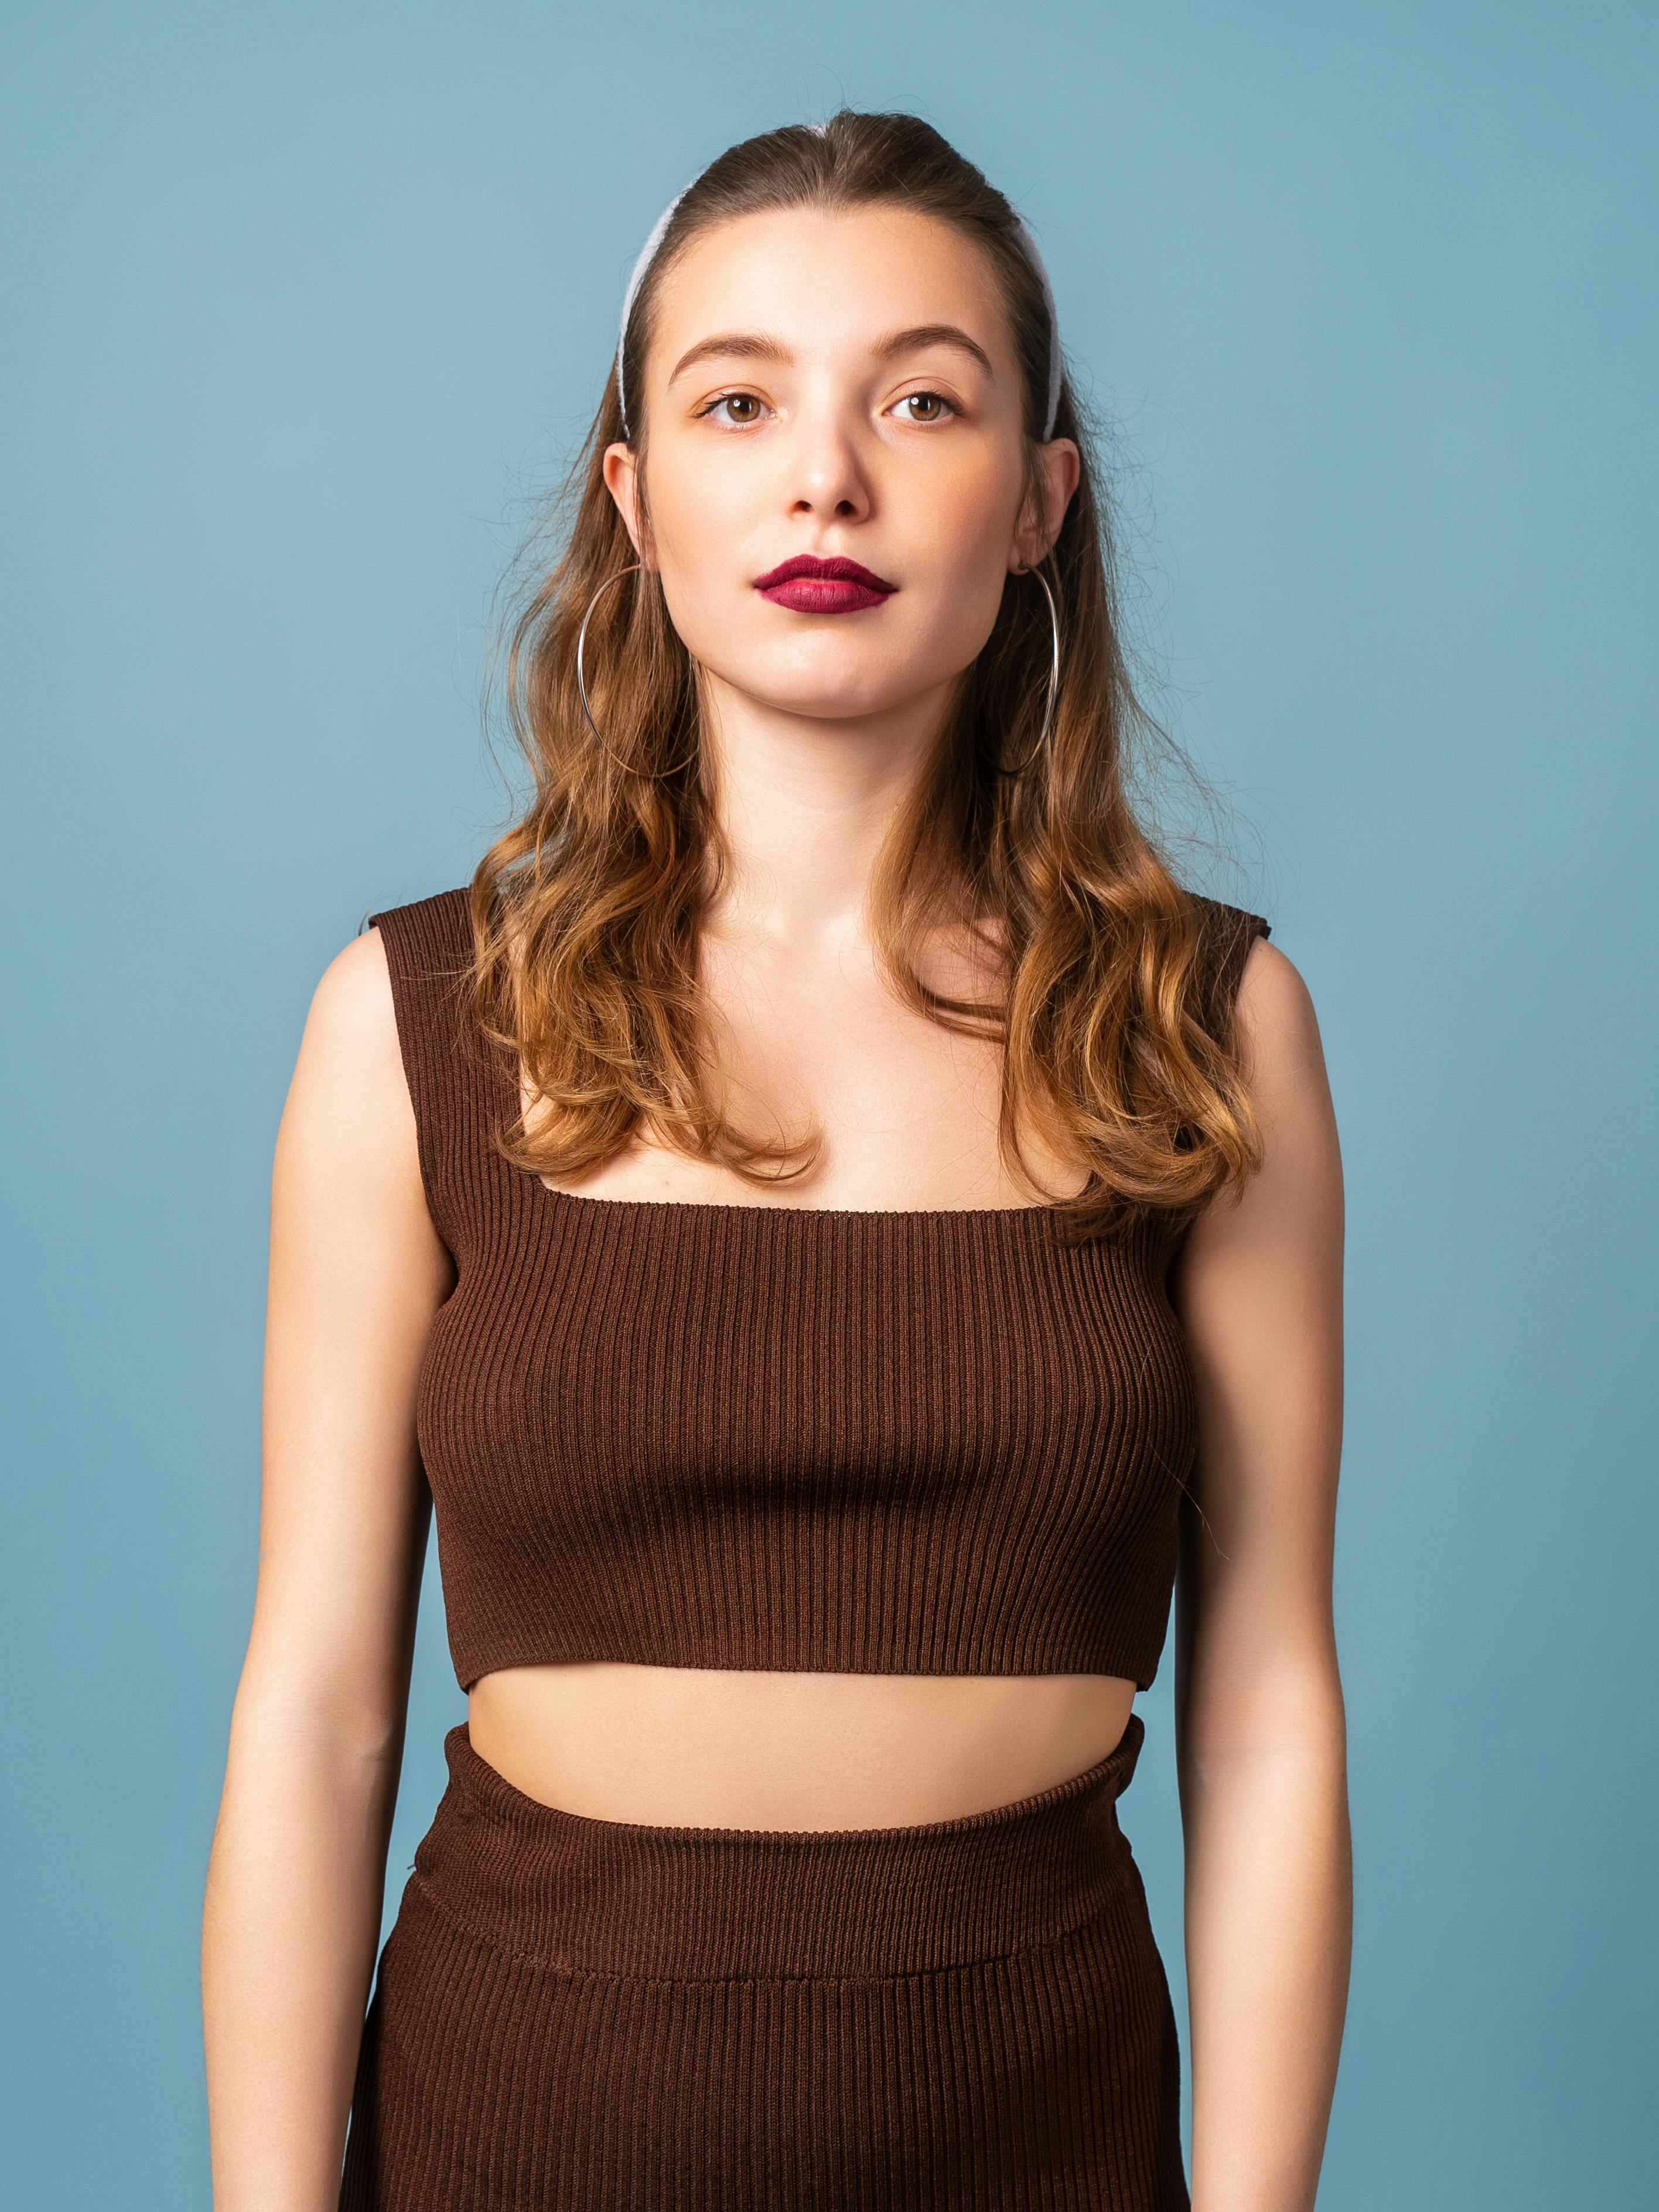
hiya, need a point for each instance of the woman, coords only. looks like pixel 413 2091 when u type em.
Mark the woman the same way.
pixel 779 1209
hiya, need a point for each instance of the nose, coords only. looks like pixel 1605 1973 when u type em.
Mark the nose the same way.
pixel 829 472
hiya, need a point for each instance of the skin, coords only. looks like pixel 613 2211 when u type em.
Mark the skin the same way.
pixel 815 726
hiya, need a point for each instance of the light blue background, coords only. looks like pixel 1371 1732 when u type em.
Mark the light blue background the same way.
pixel 298 302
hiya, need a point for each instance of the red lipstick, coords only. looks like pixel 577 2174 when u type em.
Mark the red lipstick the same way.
pixel 815 587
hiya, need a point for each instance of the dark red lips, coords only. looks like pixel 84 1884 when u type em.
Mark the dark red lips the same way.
pixel 814 587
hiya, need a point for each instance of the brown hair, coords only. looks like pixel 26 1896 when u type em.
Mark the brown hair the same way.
pixel 587 910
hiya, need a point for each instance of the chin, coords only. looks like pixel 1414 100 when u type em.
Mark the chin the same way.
pixel 828 685
pixel 840 701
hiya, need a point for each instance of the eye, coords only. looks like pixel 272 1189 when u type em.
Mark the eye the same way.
pixel 932 398
pixel 734 400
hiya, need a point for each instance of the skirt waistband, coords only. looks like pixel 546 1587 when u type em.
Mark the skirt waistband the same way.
pixel 572 1892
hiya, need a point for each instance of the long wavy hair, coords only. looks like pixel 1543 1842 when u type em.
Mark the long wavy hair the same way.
pixel 1116 1031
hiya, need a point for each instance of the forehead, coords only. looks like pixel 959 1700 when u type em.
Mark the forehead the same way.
pixel 829 278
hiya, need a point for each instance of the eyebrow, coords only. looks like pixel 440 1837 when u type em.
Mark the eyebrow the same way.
pixel 755 345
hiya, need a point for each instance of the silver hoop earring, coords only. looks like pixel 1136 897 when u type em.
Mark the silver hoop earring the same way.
pixel 650 775
pixel 1053 679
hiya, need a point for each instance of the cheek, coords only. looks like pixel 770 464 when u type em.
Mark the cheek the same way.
pixel 969 511
pixel 959 521
pixel 697 519
pixel 963 537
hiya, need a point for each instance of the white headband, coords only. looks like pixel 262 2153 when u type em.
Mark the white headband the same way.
pixel 643 262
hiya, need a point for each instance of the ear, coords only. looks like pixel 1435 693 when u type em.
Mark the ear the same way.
pixel 1060 471
pixel 621 482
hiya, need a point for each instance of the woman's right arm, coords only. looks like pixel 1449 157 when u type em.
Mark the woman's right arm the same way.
pixel 296 1877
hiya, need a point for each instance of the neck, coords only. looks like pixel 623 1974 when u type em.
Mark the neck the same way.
pixel 802 805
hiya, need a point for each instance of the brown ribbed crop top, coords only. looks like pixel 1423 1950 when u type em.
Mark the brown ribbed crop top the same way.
pixel 730 1435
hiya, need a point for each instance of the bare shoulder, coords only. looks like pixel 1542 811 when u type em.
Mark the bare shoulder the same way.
pixel 1276 1015
pixel 350 1093
pixel 351 1012
pixel 1281 1051
pixel 1297 1193
pixel 351 1029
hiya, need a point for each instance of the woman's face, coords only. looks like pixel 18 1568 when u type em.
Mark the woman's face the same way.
pixel 835 384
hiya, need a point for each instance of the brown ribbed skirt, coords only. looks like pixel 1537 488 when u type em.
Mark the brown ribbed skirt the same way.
pixel 594 2014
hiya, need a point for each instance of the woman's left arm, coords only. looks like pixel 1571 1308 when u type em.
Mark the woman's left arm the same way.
pixel 1261 1739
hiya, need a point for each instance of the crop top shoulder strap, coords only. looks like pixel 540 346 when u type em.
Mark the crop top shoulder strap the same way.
pixel 457 1086
pixel 1230 932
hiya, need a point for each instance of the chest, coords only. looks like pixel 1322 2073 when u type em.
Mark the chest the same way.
pixel 903 1112
pixel 644 1364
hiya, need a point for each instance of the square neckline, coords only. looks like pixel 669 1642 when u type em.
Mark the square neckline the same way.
pixel 512 1093
pixel 723 1205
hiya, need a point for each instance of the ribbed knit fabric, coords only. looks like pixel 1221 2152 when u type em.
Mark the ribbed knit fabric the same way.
pixel 759 1436
pixel 602 2016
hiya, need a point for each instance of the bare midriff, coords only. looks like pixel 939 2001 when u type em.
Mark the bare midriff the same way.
pixel 731 1747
